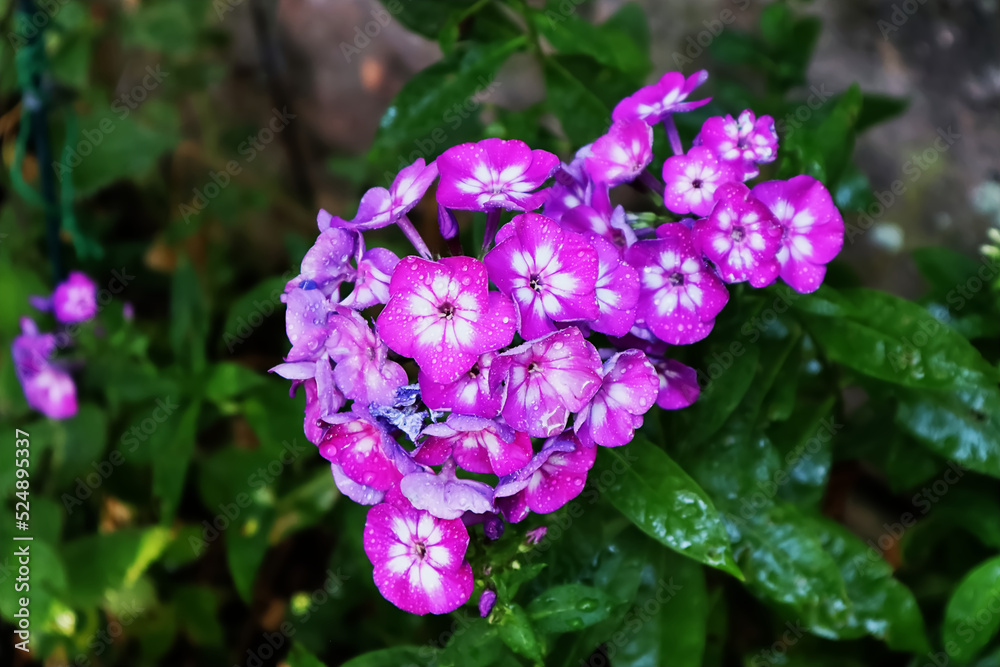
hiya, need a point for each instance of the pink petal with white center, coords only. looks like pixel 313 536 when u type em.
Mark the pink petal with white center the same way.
pixel 629 389
pixel 812 229
pixel 441 315
pixel 446 496
pixel 469 395
pixel 741 237
pixel 545 380
pixel 691 181
pixel 654 103
pixel 614 227
pixel 679 296
pixel 617 290
pixel 371 284
pixel 554 476
pixel 678 385
pixel 363 371
pixel 358 447
pixel 418 559
pixel 622 154
pixel 359 493
pixel 493 174
pixel 410 185
pixel 549 272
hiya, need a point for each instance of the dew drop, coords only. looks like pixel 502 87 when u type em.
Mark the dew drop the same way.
pixel 586 604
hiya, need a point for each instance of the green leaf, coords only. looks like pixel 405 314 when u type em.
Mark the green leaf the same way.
pixel 397 656
pixel 669 622
pixel 785 563
pixel 197 613
pixel 188 317
pixel 427 17
pixel 881 606
pixel 956 291
pixel 738 366
pixel 165 27
pixel 823 148
pixel 79 442
pixel 300 656
pixel 804 443
pixel 961 425
pixel 228 380
pixel 439 107
pixel 649 488
pixel 249 311
pixel 606 44
pixel 876 108
pixel 96 564
pixel 476 644
pixel 246 546
pixel 517 633
pixel 171 457
pixel 582 114
pixel 569 608
pixel 971 619
pixel 892 339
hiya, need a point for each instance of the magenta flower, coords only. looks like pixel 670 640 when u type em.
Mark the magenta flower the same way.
pixel 812 229
pixel 371 280
pixel 442 315
pixel 679 296
pixel 419 560
pixel 47 387
pixel 691 181
pixel 613 226
pixel 678 384
pixel 741 237
pixel 363 371
pixel 743 143
pixel 548 271
pixel 546 380
pixel 75 299
pixel 380 207
pixel 617 290
pixel 444 495
pixel 621 154
pixel 494 174
pixel 364 452
pixel 574 187
pixel 305 323
pixel 554 477
pixel 326 264
pixel 468 395
pixel 478 445
pixel 486 602
pixel 655 103
pixel 628 390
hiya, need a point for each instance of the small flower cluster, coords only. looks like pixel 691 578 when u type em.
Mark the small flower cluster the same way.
pixel 551 342
pixel 47 385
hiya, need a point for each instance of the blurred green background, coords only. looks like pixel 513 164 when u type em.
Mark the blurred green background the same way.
pixel 181 518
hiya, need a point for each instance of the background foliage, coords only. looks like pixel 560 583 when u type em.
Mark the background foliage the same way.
pixel 182 518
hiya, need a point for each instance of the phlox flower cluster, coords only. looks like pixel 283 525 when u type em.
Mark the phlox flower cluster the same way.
pixel 449 392
pixel 47 385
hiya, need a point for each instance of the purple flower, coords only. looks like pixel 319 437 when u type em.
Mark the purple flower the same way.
pixel 47 387
pixel 546 380
pixel 678 384
pixel 554 477
pixel 364 452
pixel 743 143
pixel 621 154
pixel 478 445
pixel 363 371
pixel 741 237
pixel 380 207
pixel 371 280
pixel 486 602
pixel 812 229
pixel 629 389
pixel 574 187
pixel 468 395
pixel 548 271
pixel 614 226
pixel 305 324
pixel 536 535
pixel 679 296
pixel 326 264
pixel 494 174
pixel 446 496
pixel 75 299
pixel 617 290
pixel 655 103
pixel 419 560
pixel 442 315
pixel 691 181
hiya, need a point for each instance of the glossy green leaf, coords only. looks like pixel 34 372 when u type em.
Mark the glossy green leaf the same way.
pixel 397 656
pixel 608 45
pixel 805 444
pixel 569 608
pixel 971 619
pixel 961 425
pixel 669 622
pixel 517 633
pixel 649 488
pixel 876 109
pixel 300 656
pixel 249 311
pixel 476 643
pixel 958 292
pixel 228 380
pixel 738 366
pixel 582 114
pixel 97 563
